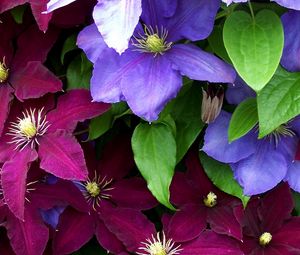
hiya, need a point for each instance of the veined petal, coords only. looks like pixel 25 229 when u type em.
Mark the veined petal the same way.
pixel 6 97
pixel 62 156
pixel 293 175
pixel 13 179
pixel 55 4
pixel 150 85
pixel 42 19
pixel 8 4
pixel 292 4
pixel 92 43
pixel 116 21
pixel 217 146
pixel 197 64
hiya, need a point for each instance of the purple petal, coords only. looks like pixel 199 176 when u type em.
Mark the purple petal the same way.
pixel 55 4
pixel 13 180
pixel 6 97
pixel 238 92
pixel 51 216
pixel 132 193
pixel 261 171
pixel 116 21
pixel 217 146
pixel 188 223
pixel 197 64
pixel 91 41
pixel 292 4
pixel 193 20
pixel 73 231
pixel 211 243
pixel 34 80
pixel 291 49
pixel 29 236
pixel 293 175
pixel 74 106
pixel 150 85
pixel 62 156
pixel 107 239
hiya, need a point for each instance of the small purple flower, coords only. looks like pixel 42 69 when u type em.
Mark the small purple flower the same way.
pixel 268 227
pixel 149 73
pixel 35 129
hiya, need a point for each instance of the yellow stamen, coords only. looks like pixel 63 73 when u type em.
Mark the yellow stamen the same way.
pixel 3 71
pixel 265 239
pixel 93 189
pixel 27 128
pixel 210 200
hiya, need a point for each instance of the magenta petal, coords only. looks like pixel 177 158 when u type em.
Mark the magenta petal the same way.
pixel 27 237
pixel 73 231
pixel 187 223
pixel 73 107
pixel 62 156
pixel 34 81
pixel 150 85
pixel 107 239
pixel 6 97
pixel 13 179
pixel 8 4
pixel 223 221
pixel 210 243
pixel 132 193
pixel 38 7
pixel 199 65
pixel 130 226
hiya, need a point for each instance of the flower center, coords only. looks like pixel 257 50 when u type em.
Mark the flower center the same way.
pixel 27 129
pixel 210 200
pixel 152 41
pixel 265 239
pixel 283 130
pixel 4 71
pixel 92 188
pixel 156 246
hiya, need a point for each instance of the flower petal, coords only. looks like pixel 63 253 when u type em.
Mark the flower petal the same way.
pixel 217 146
pixel 55 4
pixel 197 64
pixel 293 175
pixel 116 21
pixel 8 4
pixel 6 97
pixel 62 156
pixel 13 180
pixel 292 4
pixel 74 106
pixel 150 85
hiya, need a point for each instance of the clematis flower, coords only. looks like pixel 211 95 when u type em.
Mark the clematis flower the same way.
pixel 149 73
pixel 35 129
pixel 268 226
pixel 228 2
pixel 140 236
pixel 200 203
pixel 22 72
pixel 105 188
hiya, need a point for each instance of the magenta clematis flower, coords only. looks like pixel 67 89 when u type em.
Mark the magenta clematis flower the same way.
pixel 105 189
pixel 149 73
pixel 35 129
pixel 22 72
pixel 268 227
pixel 197 197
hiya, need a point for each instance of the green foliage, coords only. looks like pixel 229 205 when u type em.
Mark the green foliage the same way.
pixel 221 175
pixel 254 45
pixel 243 119
pixel 279 101
pixel 154 148
pixel 18 13
pixel 69 45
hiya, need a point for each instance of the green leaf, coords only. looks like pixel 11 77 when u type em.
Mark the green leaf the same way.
pixel 18 13
pixel 104 122
pixel 186 112
pixel 69 45
pixel 154 148
pixel 79 73
pixel 254 46
pixel 279 101
pixel 296 198
pixel 221 175
pixel 243 119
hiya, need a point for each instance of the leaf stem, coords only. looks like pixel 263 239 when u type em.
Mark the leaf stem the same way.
pixel 251 10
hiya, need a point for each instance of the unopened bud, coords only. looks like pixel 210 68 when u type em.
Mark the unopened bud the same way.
pixel 212 101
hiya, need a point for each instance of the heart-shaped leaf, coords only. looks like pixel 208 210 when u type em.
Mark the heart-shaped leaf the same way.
pixel 254 45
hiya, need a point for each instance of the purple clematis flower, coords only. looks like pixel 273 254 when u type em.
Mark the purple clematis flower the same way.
pixel 105 189
pixel 268 227
pixel 149 73
pixel 140 236
pixel 228 2
pixel 197 197
pixel 22 72
pixel 35 129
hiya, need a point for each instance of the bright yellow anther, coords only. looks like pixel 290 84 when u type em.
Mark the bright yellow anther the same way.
pixel 265 239
pixel 157 249
pixel 27 128
pixel 155 44
pixel 92 188
pixel 3 71
pixel 210 200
